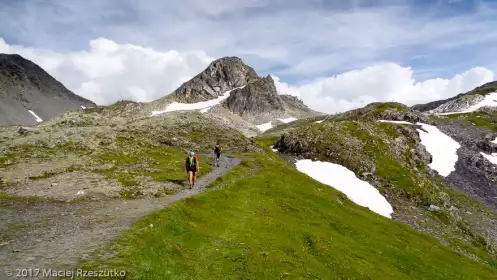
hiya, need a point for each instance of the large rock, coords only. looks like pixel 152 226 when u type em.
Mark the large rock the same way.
pixel 259 102
pixel 257 97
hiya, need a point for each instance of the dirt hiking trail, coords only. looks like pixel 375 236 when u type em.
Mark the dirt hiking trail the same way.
pixel 48 234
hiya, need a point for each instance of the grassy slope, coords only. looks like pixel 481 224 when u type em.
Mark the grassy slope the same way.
pixel 265 226
pixel 367 146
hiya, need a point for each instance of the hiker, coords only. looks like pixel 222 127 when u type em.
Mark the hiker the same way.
pixel 191 167
pixel 218 150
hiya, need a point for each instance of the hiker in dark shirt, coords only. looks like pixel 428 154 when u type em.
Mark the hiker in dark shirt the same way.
pixel 218 150
pixel 192 167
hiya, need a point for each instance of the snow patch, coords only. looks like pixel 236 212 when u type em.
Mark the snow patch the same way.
pixel 205 110
pixel 492 158
pixel 442 148
pixel 38 119
pixel 287 120
pixel 319 121
pixel 495 140
pixel 175 106
pixel 344 180
pixel 489 100
pixel 399 122
pixel 265 126
pixel 80 193
pixel 83 107
pixel 272 149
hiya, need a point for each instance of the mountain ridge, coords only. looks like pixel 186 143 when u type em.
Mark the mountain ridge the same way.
pixel 25 87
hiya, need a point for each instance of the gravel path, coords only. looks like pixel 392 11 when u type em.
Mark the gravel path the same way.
pixel 43 234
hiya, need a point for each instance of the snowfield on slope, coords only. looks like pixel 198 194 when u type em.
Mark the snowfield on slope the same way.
pixel 203 106
pixel 344 180
pixel 399 122
pixel 265 126
pixel 492 157
pixel 442 148
pixel 288 120
pixel 38 119
pixel 489 100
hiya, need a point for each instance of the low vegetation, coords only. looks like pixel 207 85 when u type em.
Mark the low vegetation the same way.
pixel 262 226
pixel 482 119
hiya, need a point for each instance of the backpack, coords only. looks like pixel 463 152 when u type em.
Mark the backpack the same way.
pixel 217 149
pixel 192 161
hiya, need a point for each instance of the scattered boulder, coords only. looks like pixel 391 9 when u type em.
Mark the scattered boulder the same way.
pixel 23 130
pixel 434 208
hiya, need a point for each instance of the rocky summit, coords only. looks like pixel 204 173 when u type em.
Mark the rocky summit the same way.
pixel 29 95
pixel 239 97
pixel 219 77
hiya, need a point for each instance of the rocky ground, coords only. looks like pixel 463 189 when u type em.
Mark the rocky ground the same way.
pixel 70 185
pixel 474 174
pixel 42 233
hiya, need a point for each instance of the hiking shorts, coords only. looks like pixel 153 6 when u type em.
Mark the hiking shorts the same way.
pixel 192 169
pixel 218 155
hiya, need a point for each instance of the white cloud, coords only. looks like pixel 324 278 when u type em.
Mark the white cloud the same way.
pixel 109 72
pixel 383 82
pixel 302 39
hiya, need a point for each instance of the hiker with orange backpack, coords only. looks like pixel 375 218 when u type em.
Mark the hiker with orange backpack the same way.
pixel 192 167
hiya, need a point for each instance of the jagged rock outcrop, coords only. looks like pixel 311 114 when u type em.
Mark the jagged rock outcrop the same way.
pixel 219 77
pixel 26 86
pixel 259 102
pixel 258 97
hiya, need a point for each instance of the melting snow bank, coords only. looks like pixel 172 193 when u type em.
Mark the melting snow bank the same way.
pixel 265 126
pixel 399 122
pixel 489 100
pixel 290 119
pixel 204 106
pixel 442 148
pixel 38 119
pixel 492 158
pixel 344 180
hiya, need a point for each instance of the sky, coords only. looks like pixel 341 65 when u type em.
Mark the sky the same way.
pixel 335 55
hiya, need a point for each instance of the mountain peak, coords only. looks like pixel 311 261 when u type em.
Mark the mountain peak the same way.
pixel 220 76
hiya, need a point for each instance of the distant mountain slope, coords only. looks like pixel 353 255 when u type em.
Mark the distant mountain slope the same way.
pixel 460 101
pixel 25 87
